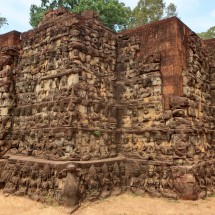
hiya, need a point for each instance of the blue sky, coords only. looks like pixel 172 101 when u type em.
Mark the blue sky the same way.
pixel 199 15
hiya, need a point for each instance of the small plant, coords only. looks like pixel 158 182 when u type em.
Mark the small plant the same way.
pixel 97 133
pixel 212 195
pixel 50 200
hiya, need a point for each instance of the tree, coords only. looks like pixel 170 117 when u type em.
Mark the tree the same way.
pixel 38 12
pixel 112 13
pixel 209 34
pixel 36 15
pixel 171 10
pixel 52 4
pixel 3 21
pixel 148 11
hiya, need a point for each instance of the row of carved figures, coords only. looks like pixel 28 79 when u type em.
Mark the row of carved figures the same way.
pixel 33 180
pixel 93 145
pixel 102 180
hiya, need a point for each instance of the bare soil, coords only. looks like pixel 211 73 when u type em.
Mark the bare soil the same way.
pixel 125 204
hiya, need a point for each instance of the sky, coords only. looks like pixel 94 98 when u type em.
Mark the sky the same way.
pixel 199 15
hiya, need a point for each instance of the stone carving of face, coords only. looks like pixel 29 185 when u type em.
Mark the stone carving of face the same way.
pixel 151 171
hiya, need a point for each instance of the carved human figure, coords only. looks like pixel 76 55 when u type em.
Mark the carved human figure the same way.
pixel 166 185
pixel 6 173
pixel 34 189
pixel 137 181
pixel 82 175
pixel 139 148
pixel 159 151
pixel 208 178
pixel 71 151
pixel 105 182
pixel 104 152
pixel 93 184
pixel 24 181
pixel 117 186
pixel 47 182
pixel 151 182
pixel 127 146
pixel 180 144
pixel 11 185
pixel 95 151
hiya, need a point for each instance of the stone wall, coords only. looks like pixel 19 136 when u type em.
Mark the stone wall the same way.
pixel 10 39
pixel 87 113
pixel 167 119
pixel 9 52
pixel 64 88
pixel 210 44
pixel 165 38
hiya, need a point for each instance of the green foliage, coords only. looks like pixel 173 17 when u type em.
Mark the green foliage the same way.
pixel 97 133
pixel 3 21
pixel 50 200
pixel 209 34
pixel 148 11
pixel 171 10
pixel 52 4
pixel 37 12
pixel 36 15
pixel 112 13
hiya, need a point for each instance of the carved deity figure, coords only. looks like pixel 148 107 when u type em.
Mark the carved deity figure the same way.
pixel 137 181
pixel 71 151
pixel 180 144
pixel 134 148
pixel 105 182
pixel 6 173
pixel 151 182
pixel 11 185
pixel 23 182
pixel 34 184
pixel 47 182
pixel 93 184
pixel 117 186
pixel 166 185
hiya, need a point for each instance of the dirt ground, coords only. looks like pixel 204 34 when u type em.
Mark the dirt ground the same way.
pixel 121 205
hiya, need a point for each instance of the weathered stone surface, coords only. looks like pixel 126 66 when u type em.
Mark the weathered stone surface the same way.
pixel 87 113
